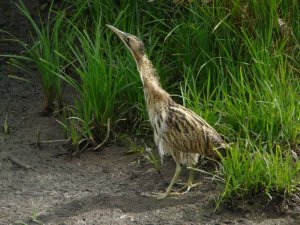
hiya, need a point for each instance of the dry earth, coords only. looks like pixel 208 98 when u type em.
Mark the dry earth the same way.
pixel 96 188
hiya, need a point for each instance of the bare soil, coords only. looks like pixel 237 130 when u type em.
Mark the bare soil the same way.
pixel 105 187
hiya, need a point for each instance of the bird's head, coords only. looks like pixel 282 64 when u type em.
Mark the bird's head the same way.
pixel 133 43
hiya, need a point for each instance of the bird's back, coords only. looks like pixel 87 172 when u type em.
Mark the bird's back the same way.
pixel 187 132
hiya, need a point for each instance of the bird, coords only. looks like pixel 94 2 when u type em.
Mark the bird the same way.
pixel 178 131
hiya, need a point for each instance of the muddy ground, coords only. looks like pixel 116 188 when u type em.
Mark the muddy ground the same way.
pixel 105 187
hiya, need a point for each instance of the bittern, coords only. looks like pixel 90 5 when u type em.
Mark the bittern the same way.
pixel 178 131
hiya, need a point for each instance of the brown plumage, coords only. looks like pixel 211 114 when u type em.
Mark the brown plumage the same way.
pixel 178 131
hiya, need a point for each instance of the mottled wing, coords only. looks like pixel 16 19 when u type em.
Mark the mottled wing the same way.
pixel 187 132
pixel 213 135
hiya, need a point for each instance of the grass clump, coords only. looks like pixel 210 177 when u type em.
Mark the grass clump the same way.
pixel 47 38
pixel 97 86
pixel 243 79
pixel 247 174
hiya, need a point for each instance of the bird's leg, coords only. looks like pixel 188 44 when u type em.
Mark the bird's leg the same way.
pixel 190 184
pixel 169 189
pixel 190 181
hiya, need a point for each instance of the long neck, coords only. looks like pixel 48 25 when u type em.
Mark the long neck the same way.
pixel 154 94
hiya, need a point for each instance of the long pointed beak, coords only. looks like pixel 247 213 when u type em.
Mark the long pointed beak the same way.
pixel 122 35
pixel 136 47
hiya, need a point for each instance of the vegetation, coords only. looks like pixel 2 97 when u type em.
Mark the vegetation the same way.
pixel 5 126
pixel 235 63
pixel 47 39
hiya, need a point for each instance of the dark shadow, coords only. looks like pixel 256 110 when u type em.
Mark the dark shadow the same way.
pixel 128 204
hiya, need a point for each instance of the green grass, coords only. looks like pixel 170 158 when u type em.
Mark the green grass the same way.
pixel 97 85
pixel 5 125
pixel 247 174
pixel 231 62
pixel 47 39
pixel 248 88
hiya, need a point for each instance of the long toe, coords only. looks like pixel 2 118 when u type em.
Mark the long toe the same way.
pixel 165 194
pixel 161 195
pixel 187 187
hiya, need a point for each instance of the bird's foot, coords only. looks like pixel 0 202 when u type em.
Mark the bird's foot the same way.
pixel 162 195
pixel 165 194
pixel 187 187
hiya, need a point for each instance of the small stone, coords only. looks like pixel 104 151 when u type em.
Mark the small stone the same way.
pixel 105 170
pixel 151 171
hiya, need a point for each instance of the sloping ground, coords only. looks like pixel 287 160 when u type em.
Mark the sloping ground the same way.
pixel 106 187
